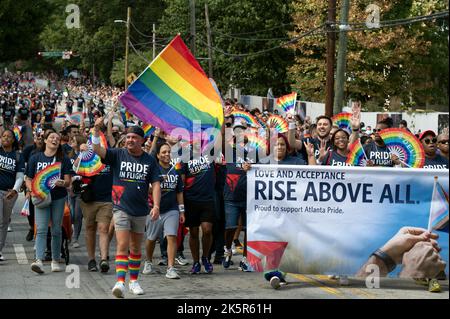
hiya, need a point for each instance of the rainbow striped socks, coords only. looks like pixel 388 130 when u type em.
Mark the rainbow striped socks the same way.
pixel 121 267
pixel 134 265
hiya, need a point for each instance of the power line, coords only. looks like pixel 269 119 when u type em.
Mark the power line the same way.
pixel 146 35
pixel 291 41
pixel 138 54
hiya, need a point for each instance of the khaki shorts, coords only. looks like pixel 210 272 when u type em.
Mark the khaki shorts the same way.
pixel 124 221
pixel 96 212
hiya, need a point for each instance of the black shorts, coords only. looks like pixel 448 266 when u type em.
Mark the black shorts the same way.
pixel 199 212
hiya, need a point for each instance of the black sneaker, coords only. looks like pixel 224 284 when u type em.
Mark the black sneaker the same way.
pixel 218 260
pixel 30 235
pixel 104 266
pixel 92 265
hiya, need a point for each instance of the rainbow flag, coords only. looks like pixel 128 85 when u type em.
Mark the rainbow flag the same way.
pixel 17 133
pixel 173 91
pixel 126 116
pixel 148 129
pixel 438 219
pixel 287 102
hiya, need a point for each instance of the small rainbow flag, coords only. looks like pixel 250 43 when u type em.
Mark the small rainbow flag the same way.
pixel 17 133
pixel 438 218
pixel 126 116
pixel 247 117
pixel 148 130
pixel 173 91
pixel 342 120
pixel 44 181
pixel 287 102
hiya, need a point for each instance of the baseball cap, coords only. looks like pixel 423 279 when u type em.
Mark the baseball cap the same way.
pixel 427 132
pixel 136 130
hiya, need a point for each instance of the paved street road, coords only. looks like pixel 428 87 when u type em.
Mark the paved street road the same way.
pixel 18 281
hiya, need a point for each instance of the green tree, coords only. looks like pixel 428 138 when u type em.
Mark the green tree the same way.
pixel 236 29
pixel 403 63
pixel 20 24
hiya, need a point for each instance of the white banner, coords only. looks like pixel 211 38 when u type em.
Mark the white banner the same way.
pixel 329 220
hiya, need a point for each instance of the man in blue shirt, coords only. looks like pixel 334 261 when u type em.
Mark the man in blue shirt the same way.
pixel 133 171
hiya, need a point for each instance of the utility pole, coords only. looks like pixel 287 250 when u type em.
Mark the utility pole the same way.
pixel 192 10
pixel 342 58
pixel 208 33
pixel 154 41
pixel 331 48
pixel 126 46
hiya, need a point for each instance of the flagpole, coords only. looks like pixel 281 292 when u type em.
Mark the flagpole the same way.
pixel 431 203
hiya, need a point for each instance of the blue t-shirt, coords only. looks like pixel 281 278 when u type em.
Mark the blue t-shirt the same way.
pixel 439 162
pixel 200 179
pixel 314 141
pixel 11 163
pixel 333 158
pixel 171 185
pixel 67 148
pixel 102 185
pixel 379 155
pixel 39 161
pixel 236 179
pixel 131 179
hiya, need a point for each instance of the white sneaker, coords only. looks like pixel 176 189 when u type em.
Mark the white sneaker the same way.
pixel 9 229
pixel 172 273
pixel 275 282
pixel 37 266
pixel 75 244
pixel 118 290
pixel 148 268
pixel 343 281
pixel 135 288
pixel 181 261
pixel 55 266
pixel 1 257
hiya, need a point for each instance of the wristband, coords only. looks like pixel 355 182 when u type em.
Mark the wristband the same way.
pixel 292 126
pixel 181 208
pixel 357 130
pixel 95 140
pixel 388 261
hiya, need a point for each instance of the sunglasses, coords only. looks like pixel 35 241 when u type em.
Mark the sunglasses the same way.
pixel 375 130
pixel 443 142
pixel 228 124
pixel 430 141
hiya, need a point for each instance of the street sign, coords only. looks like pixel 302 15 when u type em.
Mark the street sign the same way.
pixel 131 78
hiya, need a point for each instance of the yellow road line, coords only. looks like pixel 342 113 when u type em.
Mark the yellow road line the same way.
pixel 353 290
pixel 318 284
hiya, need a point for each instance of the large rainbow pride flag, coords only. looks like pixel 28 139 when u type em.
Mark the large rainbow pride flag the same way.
pixel 173 91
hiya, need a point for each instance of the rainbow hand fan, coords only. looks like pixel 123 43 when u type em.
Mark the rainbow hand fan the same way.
pixel 356 156
pixel 44 181
pixel 247 117
pixel 256 142
pixel 342 120
pixel 287 102
pixel 405 145
pixel 90 163
pixel 279 123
